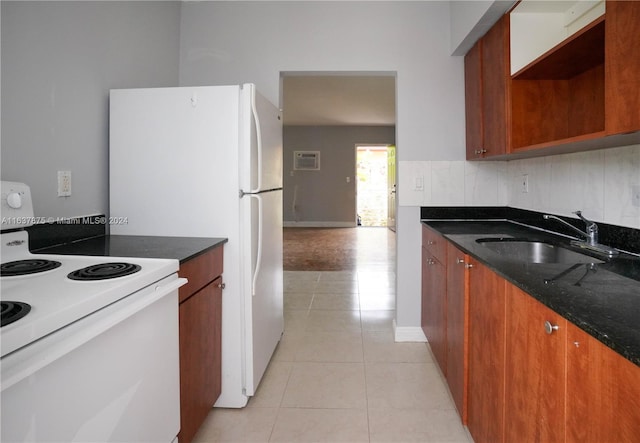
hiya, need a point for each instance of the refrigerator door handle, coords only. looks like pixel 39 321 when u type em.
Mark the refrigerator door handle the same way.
pixel 259 240
pixel 254 113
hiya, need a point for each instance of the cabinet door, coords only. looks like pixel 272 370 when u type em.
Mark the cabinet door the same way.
pixel 487 81
pixel 434 299
pixel 473 100
pixel 535 370
pixel 603 392
pixel 485 409
pixel 495 81
pixel 622 66
pixel 457 315
pixel 200 357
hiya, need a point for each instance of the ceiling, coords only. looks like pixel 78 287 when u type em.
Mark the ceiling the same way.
pixel 339 100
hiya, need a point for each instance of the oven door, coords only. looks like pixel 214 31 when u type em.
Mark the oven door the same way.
pixel 111 376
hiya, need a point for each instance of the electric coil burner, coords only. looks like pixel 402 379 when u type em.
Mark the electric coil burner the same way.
pixel 12 311
pixel 29 266
pixel 104 271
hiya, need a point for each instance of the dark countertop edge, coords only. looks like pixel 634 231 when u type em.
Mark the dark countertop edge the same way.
pixel 219 242
pixel 163 246
pixel 630 355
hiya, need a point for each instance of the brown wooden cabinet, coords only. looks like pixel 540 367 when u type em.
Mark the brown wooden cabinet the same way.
pixel 200 314
pixel 622 67
pixel 603 392
pixel 456 327
pixel 509 378
pixel 487 93
pixel 535 370
pixel 582 94
pixel 445 310
pixel 434 294
pixel 485 409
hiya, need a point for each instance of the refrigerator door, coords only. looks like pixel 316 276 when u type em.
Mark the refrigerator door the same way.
pixel 261 138
pixel 261 219
pixel 264 320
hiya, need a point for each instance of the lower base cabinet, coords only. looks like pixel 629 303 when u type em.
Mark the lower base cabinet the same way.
pixel 200 341
pixel 485 409
pixel 434 303
pixel 456 321
pixel 200 314
pixel 534 370
pixel 522 372
pixel 603 392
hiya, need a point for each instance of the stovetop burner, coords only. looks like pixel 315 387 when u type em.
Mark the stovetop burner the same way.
pixel 12 311
pixel 25 267
pixel 103 271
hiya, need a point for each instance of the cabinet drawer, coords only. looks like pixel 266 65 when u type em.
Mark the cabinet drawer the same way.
pixel 434 243
pixel 200 271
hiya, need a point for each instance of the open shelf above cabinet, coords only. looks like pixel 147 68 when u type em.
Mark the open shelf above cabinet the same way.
pixel 579 53
pixel 561 96
pixel 538 26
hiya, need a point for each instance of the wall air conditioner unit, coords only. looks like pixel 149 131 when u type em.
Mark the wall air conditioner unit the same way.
pixel 306 160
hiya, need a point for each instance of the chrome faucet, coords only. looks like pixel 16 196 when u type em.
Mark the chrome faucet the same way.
pixel 590 233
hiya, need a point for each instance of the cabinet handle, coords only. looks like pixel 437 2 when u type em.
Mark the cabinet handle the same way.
pixel 430 242
pixel 549 328
pixel 480 151
pixel 468 266
pixel 431 262
pixel 460 261
pixel 222 285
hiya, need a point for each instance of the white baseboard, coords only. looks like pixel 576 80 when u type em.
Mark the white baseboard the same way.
pixel 408 333
pixel 318 224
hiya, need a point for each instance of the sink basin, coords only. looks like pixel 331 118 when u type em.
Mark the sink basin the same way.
pixel 534 251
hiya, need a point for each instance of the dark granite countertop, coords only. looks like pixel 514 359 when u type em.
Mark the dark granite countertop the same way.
pixel 178 248
pixel 602 298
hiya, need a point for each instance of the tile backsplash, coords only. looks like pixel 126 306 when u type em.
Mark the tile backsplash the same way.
pixel 599 183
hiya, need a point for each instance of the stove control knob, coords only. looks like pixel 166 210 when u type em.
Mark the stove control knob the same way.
pixel 14 200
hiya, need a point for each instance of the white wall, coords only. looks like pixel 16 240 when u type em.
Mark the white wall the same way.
pixel 471 19
pixel 59 60
pixel 231 42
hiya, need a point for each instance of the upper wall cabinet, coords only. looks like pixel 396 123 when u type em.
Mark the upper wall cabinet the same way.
pixel 486 93
pixel 622 67
pixel 575 77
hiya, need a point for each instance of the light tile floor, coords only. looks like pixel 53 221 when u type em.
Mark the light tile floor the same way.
pixel 337 374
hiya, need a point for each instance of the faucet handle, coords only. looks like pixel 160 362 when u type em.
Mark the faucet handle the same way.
pixel 579 214
pixel 591 228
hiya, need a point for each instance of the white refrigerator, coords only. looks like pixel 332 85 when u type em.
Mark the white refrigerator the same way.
pixel 207 162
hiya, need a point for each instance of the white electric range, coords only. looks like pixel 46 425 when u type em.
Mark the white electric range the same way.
pixel 89 345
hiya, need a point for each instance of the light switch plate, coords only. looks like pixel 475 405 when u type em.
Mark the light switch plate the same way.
pixel 64 183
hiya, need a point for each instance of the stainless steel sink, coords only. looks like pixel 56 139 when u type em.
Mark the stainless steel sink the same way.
pixel 534 251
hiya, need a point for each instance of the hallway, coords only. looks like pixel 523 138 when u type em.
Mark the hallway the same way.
pixel 337 375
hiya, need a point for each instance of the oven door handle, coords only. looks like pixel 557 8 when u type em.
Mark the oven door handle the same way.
pixel 17 366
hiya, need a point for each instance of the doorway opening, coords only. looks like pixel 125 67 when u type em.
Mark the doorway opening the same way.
pixel 372 171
